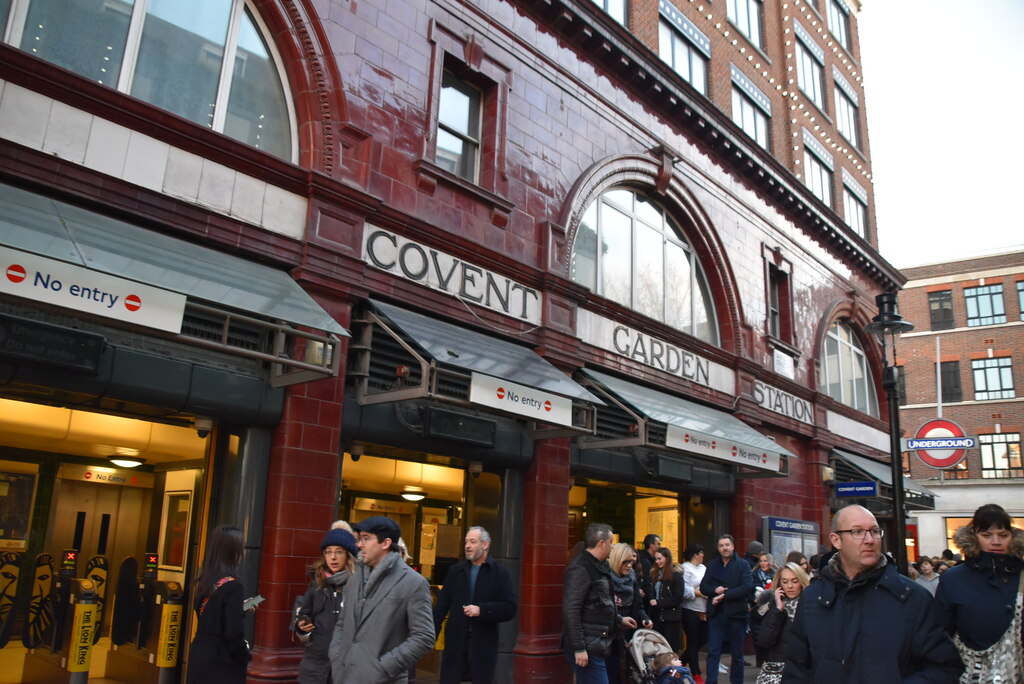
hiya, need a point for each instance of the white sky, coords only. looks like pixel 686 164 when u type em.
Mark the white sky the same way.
pixel 944 88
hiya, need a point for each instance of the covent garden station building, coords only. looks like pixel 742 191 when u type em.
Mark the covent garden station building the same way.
pixel 274 263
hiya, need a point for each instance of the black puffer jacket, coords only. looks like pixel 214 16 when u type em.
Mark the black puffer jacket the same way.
pixel 323 603
pixel 589 618
pixel 977 597
pixel 669 600
pixel 773 636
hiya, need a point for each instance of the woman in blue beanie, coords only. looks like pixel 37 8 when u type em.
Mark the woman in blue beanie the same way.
pixel 318 609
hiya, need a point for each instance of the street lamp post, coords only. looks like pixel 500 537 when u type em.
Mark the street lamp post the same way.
pixel 888 325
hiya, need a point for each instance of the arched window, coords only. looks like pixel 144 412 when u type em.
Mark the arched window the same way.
pixel 844 373
pixel 629 250
pixel 205 60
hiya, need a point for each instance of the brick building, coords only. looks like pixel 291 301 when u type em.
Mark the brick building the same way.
pixel 522 264
pixel 969 314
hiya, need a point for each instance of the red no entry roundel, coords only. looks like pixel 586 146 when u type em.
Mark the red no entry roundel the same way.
pixel 547 406
pixel 16 273
pixel 132 302
pixel 501 392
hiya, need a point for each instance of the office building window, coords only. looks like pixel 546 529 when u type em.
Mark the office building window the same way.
pixel 839 22
pixel 993 378
pixel 810 74
pixel 855 212
pixel 746 16
pixel 952 391
pixel 940 308
pixel 683 56
pixel 817 177
pixel 751 118
pixel 780 318
pixel 1020 298
pixel 458 127
pixel 844 373
pixel 628 249
pixel 984 305
pixel 616 9
pixel 961 471
pixel 202 60
pixel 1000 455
pixel 847 119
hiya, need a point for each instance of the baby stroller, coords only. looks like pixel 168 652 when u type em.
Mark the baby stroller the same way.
pixel 645 644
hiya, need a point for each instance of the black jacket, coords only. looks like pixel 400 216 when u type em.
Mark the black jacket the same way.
pixel 323 604
pixel 879 628
pixel 589 618
pixel 669 602
pixel 497 600
pixel 219 654
pixel 739 584
pixel 774 633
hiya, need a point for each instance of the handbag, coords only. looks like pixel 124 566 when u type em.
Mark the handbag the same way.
pixel 1003 661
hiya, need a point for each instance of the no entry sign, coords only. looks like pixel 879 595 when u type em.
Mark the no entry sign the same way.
pixel 940 443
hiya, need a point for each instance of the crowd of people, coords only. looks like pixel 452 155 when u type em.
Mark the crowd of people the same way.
pixel 846 615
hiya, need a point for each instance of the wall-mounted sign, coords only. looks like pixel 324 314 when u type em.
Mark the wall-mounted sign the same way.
pixel 651 351
pixel 105 476
pixel 28 340
pixel 525 401
pixel 857 488
pixel 940 443
pixel 720 448
pixel 48 281
pixel 783 402
pixel 443 272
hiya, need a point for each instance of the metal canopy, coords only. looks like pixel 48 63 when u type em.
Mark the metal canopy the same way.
pixel 649 405
pixel 38 224
pixel 917 495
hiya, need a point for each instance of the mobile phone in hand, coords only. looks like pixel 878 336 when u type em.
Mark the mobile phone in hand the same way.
pixel 252 602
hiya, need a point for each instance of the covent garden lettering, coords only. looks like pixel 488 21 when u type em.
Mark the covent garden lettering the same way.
pixel 667 357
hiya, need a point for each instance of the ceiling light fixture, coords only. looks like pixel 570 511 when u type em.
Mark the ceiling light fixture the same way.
pixel 126 461
pixel 413 494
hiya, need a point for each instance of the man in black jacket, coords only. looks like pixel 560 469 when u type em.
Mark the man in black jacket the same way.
pixel 728 584
pixel 861 621
pixel 589 618
pixel 478 594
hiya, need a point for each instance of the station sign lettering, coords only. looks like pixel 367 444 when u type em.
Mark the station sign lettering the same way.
pixel 783 402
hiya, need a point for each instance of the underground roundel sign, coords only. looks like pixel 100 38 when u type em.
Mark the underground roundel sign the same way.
pixel 940 443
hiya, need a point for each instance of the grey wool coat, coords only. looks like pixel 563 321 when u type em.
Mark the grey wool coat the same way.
pixel 386 624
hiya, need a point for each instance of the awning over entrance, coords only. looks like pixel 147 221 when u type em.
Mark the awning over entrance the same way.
pixel 58 254
pixel 854 468
pixel 409 355
pixel 668 421
pixel 61 231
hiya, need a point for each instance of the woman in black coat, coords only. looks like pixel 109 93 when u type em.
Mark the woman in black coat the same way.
pixel 978 597
pixel 316 612
pixel 776 608
pixel 219 653
pixel 668 588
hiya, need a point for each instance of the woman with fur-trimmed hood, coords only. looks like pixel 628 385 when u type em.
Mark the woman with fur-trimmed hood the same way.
pixel 981 598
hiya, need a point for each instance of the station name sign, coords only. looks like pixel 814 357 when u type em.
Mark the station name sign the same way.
pixel 48 281
pixel 652 351
pixel 783 402
pixel 399 256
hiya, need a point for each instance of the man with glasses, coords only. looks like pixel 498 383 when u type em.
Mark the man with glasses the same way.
pixel 862 621
pixel 386 624
pixel 589 619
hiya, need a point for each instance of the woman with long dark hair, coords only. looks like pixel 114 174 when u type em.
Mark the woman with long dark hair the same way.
pixel 219 653
pixel 667 586
pixel 982 598
pixel 695 606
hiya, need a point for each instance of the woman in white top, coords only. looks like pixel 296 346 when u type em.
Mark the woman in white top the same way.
pixel 695 625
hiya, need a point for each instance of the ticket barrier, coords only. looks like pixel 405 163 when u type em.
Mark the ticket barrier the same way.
pixel 66 654
pixel 149 650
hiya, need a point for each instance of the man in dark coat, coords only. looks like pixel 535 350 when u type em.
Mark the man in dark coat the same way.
pixel 862 621
pixel 652 543
pixel 728 584
pixel 476 596
pixel 589 618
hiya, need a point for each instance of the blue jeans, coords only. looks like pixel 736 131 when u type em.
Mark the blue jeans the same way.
pixel 720 630
pixel 594 673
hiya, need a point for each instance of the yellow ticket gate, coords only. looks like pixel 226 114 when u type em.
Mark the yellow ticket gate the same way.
pixel 67 657
pixel 153 655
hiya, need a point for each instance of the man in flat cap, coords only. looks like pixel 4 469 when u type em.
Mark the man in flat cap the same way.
pixel 386 624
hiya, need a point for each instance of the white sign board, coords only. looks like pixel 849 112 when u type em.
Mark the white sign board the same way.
pixel 525 401
pixel 721 449
pixel 73 287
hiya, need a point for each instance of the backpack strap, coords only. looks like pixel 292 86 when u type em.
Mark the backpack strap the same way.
pixel 221 582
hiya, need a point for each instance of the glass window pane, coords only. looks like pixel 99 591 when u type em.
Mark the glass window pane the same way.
pixel 180 56
pixel 584 250
pixel 449 151
pixel 5 9
pixel 616 256
pixel 650 271
pixel 83 36
pixel 649 212
pixel 678 283
pixel 454 109
pixel 703 325
pixel 257 110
